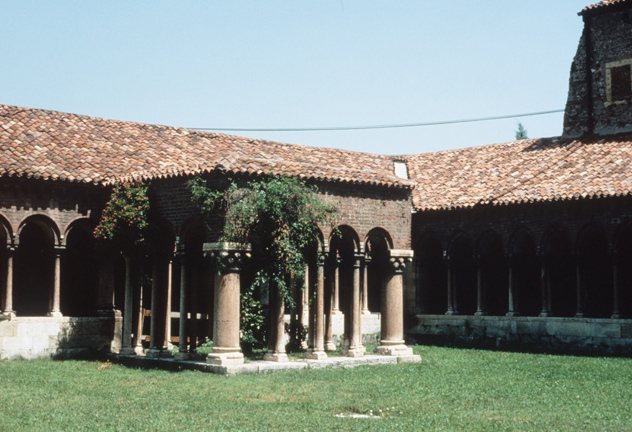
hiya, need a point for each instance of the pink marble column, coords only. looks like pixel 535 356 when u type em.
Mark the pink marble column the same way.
pixel 392 342
pixel 54 310
pixel 355 348
pixel 365 285
pixel 8 292
pixel 317 350
pixel 230 256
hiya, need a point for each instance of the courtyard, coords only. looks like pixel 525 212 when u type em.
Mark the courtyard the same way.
pixel 451 389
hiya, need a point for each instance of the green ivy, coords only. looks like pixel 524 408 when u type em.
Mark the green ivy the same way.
pixel 279 215
pixel 123 222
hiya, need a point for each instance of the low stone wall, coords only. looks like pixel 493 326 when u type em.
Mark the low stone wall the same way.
pixel 587 335
pixel 35 337
pixel 371 328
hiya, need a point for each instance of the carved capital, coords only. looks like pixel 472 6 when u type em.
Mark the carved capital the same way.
pixel 399 263
pixel 229 256
pixel 322 257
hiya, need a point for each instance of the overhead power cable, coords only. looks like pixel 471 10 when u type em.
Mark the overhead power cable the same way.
pixel 391 126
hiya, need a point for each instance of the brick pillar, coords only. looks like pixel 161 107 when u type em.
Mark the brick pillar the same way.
pixel 392 342
pixel 54 310
pixel 231 256
pixel 317 351
pixel 355 348
pixel 8 292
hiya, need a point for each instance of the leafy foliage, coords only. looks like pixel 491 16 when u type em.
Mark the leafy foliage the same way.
pixel 279 216
pixel 253 322
pixel 124 219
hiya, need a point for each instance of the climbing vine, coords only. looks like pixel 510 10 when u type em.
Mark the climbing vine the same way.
pixel 279 215
pixel 123 222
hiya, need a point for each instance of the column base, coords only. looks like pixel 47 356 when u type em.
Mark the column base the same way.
pixel 276 357
pixel 157 353
pixel 330 346
pixel 55 314
pixel 451 312
pixel 138 350
pixel 399 350
pixel 336 312
pixel 182 356
pixel 366 312
pixel 9 315
pixel 613 316
pixel 354 351
pixel 544 314
pixel 579 315
pixel 480 313
pixel 127 351
pixel 512 314
pixel 225 358
pixel 315 355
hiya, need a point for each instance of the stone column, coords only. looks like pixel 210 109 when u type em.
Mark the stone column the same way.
pixel 183 352
pixel 355 348
pixel 167 342
pixel 329 280
pixel 392 342
pixel 451 310
pixel 365 285
pixel 276 334
pixel 8 292
pixel 126 337
pixel 231 256
pixel 154 348
pixel 510 287
pixel 105 300
pixel 305 312
pixel 335 295
pixel 544 288
pixel 317 351
pixel 54 310
pixel 578 275
pixel 140 311
pixel 615 284
pixel 480 289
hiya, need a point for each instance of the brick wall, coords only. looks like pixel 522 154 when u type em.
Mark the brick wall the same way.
pixel 362 207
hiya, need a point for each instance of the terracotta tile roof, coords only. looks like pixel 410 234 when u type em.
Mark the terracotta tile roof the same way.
pixel 60 146
pixel 523 171
pixel 602 4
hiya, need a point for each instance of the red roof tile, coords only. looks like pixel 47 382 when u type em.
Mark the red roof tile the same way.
pixel 54 145
pixel 601 4
pixel 523 171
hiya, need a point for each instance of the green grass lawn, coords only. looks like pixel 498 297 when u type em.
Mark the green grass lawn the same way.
pixel 452 390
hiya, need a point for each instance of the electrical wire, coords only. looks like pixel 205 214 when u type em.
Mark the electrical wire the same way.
pixel 391 126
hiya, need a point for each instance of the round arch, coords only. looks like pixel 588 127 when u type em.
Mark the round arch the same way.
pixel 431 276
pixel 593 272
pixel 525 273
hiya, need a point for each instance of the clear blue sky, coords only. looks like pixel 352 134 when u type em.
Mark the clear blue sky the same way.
pixel 266 64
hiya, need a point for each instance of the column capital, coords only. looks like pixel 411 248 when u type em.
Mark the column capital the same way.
pixel 231 256
pixel 321 258
pixel 400 258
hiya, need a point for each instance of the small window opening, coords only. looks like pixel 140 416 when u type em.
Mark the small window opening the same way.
pixel 401 170
pixel 621 83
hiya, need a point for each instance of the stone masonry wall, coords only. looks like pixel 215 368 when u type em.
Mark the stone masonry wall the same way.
pixel 608 39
